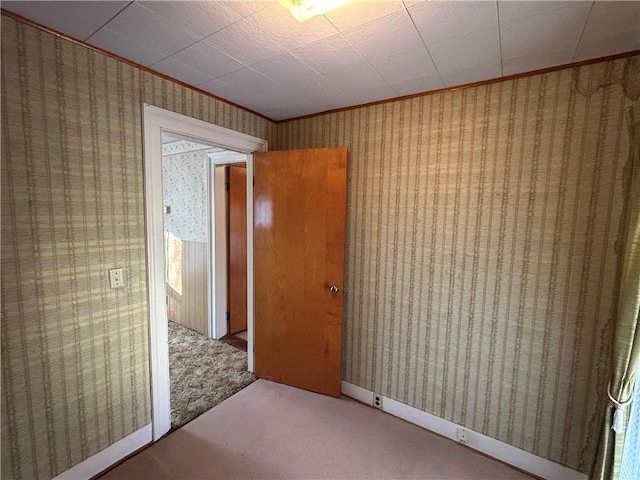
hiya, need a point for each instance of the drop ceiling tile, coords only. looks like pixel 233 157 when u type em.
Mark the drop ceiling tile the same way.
pixel 278 99
pixel 441 21
pixel 387 36
pixel 617 42
pixel 208 60
pixel 353 14
pixel 476 48
pixel 258 103
pixel 317 89
pixel 339 101
pixel 476 73
pixel 150 30
pixel 245 43
pixel 285 113
pixel 200 18
pixel 328 55
pixel 284 68
pixel 222 90
pixel 418 85
pixel 356 77
pixel 606 16
pixel 547 31
pixel 612 27
pixel 411 3
pixel 180 71
pixel 115 43
pixel 405 66
pixel 511 10
pixel 96 12
pixel 76 19
pixel 277 22
pixel 372 94
pixel 248 7
pixel 249 82
pixel 536 61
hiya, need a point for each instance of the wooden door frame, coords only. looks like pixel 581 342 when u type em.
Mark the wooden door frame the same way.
pixel 219 326
pixel 155 120
pixel 225 160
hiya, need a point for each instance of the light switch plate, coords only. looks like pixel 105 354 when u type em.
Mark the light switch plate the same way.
pixel 116 278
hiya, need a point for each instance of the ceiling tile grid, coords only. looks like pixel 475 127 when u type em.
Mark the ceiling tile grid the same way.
pixel 113 42
pixel 76 19
pixel 612 27
pixel 150 30
pixel 552 34
pixel 208 60
pixel 254 53
pixel 200 18
pixel 438 22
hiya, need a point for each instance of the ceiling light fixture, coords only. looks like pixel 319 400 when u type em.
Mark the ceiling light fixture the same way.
pixel 303 10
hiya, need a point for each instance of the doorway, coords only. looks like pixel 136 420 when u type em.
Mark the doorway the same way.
pixel 203 371
pixel 300 213
pixel 230 144
pixel 236 199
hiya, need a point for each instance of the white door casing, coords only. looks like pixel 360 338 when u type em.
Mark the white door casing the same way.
pixel 155 121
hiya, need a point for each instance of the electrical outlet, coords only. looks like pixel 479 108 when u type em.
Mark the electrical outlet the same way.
pixel 377 401
pixel 116 278
pixel 463 435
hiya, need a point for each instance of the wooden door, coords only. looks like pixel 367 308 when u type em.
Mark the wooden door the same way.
pixel 237 248
pixel 299 237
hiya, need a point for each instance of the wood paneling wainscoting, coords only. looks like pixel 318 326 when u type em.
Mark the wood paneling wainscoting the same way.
pixel 188 305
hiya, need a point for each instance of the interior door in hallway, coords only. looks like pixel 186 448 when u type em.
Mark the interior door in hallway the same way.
pixel 299 238
pixel 237 248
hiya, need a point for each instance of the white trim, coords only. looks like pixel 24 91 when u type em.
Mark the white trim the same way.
pixel 250 279
pixel 104 459
pixel 155 121
pixel 158 329
pixel 202 131
pixel 219 225
pixel 357 393
pixel 219 327
pixel 211 313
pixel 489 446
pixel 182 146
pixel 227 157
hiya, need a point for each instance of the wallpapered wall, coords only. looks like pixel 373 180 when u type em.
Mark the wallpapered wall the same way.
pixel 482 226
pixel 75 353
pixel 185 191
pixel 481 233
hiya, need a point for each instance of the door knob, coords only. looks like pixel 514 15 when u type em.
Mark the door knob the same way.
pixel 334 289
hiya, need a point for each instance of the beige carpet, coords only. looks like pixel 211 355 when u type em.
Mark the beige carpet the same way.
pixel 203 373
pixel 273 431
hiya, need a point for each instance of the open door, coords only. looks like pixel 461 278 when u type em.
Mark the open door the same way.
pixel 237 248
pixel 299 238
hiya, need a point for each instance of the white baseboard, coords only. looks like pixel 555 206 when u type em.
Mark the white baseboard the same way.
pixel 99 462
pixel 357 393
pixel 504 452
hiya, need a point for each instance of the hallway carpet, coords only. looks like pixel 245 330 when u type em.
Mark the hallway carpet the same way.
pixel 203 373
pixel 273 431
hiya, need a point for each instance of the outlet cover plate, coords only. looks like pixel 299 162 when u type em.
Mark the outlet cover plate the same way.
pixel 116 278
pixel 462 435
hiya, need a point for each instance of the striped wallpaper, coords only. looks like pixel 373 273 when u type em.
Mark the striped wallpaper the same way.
pixel 481 251
pixel 75 374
